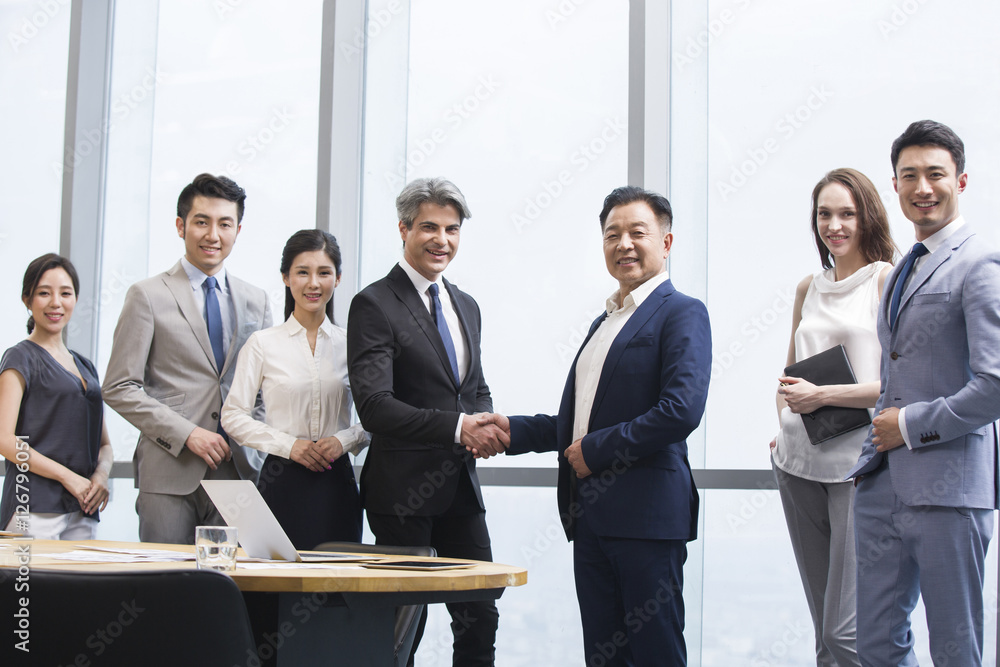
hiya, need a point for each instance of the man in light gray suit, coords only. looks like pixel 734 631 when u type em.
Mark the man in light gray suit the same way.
pixel 927 476
pixel 172 363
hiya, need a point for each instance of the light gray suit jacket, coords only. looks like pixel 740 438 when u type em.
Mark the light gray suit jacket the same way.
pixel 163 380
pixel 942 362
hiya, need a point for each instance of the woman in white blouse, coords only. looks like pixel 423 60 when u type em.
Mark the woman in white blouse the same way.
pixel 838 305
pixel 300 368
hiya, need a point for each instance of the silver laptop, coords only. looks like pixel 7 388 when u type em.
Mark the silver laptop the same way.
pixel 261 536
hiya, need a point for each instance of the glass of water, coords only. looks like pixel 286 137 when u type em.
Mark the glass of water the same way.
pixel 215 548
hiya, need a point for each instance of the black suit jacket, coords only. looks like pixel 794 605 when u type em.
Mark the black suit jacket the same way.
pixel 407 397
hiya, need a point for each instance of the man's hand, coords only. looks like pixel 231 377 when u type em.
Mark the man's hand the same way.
pixel 885 429
pixel 211 447
pixel 801 396
pixel 485 435
pixel 575 455
pixel 317 456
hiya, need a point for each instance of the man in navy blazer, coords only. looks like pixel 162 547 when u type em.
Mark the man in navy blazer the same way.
pixel 635 391
pixel 927 476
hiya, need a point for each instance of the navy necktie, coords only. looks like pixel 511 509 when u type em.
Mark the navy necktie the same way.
pixel 919 250
pixel 213 318
pixel 442 325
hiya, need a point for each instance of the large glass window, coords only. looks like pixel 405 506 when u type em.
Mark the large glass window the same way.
pixel 33 69
pixel 238 95
pixel 765 99
pixel 527 115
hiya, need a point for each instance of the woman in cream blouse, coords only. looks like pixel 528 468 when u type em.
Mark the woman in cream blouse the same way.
pixel 300 368
pixel 837 306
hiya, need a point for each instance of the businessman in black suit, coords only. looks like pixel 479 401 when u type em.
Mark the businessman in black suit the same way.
pixel 417 379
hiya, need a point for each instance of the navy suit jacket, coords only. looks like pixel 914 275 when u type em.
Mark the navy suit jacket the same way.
pixel 942 363
pixel 650 397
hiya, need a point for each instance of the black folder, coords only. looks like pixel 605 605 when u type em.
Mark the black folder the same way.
pixel 829 367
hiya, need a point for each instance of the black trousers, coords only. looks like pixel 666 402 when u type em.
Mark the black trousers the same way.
pixel 458 533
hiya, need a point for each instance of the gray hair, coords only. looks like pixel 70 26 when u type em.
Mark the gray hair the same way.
pixel 436 190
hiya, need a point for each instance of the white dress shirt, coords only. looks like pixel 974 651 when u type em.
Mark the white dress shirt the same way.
pixel 422 285
pixel 932 243
pixel 591 362
pixel 196 277
pixel 306 396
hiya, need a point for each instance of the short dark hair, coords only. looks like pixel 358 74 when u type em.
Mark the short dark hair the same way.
pixel 874 238
pixel 208 185
pixel 308 240
pixel 36 269
pixel 437 190
pixel 930 133
pixel 628 194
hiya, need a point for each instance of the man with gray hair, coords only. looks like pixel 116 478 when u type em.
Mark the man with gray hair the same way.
pixel 416 374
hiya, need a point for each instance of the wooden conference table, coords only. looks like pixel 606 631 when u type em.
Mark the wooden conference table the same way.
pixel 339 616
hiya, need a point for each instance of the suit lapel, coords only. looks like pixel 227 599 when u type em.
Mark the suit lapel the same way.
pixel 240 307
pixel 403 288
pixel 933 261
pixel 179 285
pixel 473 350
pixel 650 305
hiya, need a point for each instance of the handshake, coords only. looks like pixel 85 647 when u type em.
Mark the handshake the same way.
pixel 485 434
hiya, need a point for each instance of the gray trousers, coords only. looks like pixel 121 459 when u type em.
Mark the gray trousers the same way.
pixel 820 518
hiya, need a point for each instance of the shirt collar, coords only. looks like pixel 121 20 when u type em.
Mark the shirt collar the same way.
pixel 293 327
pixel 638 295
pixel 419 282
pixel 938 238
pixel 196 276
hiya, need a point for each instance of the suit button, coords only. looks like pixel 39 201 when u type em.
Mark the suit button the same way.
pixel 894 356
pixel 215 415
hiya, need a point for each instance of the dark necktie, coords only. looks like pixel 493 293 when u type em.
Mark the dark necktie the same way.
pixel 213 318
pixel 442 325
pixel 919 250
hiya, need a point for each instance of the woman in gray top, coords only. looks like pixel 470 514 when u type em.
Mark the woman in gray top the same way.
pixel 52 430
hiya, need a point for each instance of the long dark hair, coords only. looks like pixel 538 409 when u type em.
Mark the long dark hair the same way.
pixel 875 242
pixel 33 275
pixel 308 240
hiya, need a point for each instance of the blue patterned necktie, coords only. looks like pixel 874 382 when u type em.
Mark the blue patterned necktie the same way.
pixel 919 250
pixel 213 318
pixel 442 326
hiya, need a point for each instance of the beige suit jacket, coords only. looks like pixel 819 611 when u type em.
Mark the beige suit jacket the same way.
pixel 163 380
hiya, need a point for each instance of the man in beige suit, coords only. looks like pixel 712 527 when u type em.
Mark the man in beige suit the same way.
pixel 172 362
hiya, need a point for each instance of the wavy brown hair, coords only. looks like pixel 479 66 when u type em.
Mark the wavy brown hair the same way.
pixel 875 240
